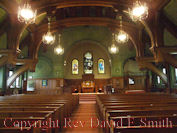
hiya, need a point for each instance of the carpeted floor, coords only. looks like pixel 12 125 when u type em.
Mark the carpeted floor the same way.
pixel 84 119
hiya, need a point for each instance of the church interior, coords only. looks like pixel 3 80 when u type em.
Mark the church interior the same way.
pixel 93 66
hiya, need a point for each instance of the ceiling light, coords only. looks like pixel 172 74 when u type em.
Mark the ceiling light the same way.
pixel 113 49
pixel 139 11
pixel 48 38
pixel 26 14
pixel 59 50
pixel 121 37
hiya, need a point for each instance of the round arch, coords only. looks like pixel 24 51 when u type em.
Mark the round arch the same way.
pixel 77 51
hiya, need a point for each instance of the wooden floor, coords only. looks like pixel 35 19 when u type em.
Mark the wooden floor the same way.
pixel 85 115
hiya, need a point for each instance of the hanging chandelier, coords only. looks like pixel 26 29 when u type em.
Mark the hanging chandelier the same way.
pixel 59 50
pixel 26 14
pixel 113 49
pixel 48 38
pixel 139 11
pixel 122 36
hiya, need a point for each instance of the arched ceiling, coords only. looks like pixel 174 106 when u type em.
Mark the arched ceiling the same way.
pixel 66 13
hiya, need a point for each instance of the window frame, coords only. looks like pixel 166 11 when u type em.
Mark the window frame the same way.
pixel 77 66
pixel 92 62
pixel 103 65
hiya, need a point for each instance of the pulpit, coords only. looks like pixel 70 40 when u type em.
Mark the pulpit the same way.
pixel 88 84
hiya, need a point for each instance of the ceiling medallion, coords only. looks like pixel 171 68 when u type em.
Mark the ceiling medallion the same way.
pixel 26 14
pixel 113 49
pixel 48 38
pixel 59 50
pixel 139 11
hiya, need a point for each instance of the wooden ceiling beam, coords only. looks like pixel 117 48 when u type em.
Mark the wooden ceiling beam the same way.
pixel 145 59
pixel 153 68
pixel 3 60
pixel 82 21
pixel 20 71
pixel 168 49
pixel 170 59
pixel 11 6
pixel 74 3
pixel 159 4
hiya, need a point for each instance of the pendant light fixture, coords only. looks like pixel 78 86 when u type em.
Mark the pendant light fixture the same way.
pixel 26 14
pixel 59 50
pixel 48 38
pixel 113 49
pixel 122 36
pixel 139 11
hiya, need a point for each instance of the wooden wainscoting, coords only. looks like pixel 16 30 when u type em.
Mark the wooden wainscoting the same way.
pixel 75 84
pixel 139 83
pixel 51 83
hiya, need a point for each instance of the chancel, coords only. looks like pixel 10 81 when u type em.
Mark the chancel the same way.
pixel 94 66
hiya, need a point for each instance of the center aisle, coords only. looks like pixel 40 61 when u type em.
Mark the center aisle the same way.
pixel 84 117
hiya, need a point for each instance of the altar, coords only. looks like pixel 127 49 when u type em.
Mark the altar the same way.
pixel 88 84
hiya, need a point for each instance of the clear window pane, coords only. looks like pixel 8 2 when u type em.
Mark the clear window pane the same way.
pixel 158 79
pixel 18 82
pixel 176 73
pixel 164 70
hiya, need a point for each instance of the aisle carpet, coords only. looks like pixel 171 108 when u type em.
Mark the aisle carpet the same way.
pixel 84 116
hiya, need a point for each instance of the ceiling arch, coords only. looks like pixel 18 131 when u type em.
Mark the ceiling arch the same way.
pixel 130 29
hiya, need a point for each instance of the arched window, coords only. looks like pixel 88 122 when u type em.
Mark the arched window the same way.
pixel 75 65
pixel 88 63
pixel 101 66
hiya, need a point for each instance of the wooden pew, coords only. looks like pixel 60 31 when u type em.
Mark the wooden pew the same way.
pixel 113 106
pixel 36 107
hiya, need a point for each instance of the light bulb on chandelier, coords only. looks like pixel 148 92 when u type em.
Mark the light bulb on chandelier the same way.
pixel 26 14
pixel 59 50
pixel 113 49
pixel 48 38
pixel 139 11
pixel 121 37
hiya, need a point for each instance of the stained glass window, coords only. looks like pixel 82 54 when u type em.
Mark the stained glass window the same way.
pixel 100 66
pixel 75 65
pixel 88 63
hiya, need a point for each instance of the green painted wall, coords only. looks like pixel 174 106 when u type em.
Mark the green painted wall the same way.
pixel 118 60
pixel 3 15
pixel 169 39
pixel 171 11
pixel 3 41
pixel 71 36
pixel 78 50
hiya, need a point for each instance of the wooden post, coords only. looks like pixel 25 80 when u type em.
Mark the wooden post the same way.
pixel 4 79
pixel 169 88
